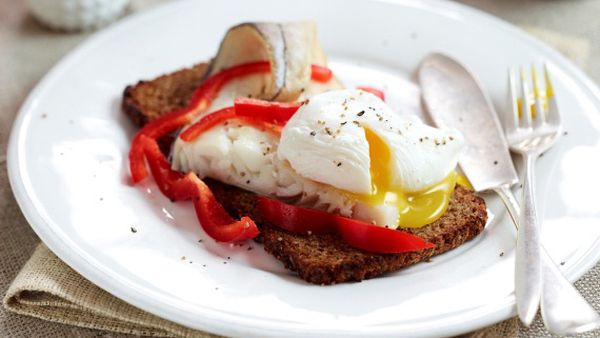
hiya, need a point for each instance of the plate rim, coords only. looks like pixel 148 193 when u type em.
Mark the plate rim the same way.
pixel 216 320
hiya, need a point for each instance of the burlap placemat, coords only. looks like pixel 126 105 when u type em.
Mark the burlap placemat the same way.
pixel 47 288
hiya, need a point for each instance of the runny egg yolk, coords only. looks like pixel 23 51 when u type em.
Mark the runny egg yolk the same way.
pixel 416 209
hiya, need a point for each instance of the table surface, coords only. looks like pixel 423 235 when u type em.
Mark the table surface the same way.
pixel 28 51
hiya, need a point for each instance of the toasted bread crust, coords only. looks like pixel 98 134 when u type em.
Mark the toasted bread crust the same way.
pixel 147 100
pixel 317 259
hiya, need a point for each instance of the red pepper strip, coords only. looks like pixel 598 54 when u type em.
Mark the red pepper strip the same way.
pixel 320 73
pixel 274 112
pixel 215 221
pixel 373 238
pixel 220 116
pixel 207 122
pixel 373 91
pixel 210 88
pixel 201 99
pixel 295 219
pixel 357 234
pixel 253 110
pixel 154 130
pixel 137 166
pixel 161 170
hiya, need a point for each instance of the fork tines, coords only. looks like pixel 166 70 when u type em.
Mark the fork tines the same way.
pixel 531 106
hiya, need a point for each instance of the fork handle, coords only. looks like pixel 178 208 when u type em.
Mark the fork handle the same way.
pixel 527 286
pixel 564 310
pixel 528 268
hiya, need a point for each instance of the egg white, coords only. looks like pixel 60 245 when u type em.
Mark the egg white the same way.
pixel 325 141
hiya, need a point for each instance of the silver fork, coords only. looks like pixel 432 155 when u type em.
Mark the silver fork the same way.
pixel 530 132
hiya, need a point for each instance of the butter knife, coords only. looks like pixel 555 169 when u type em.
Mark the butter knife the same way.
pixel 454 99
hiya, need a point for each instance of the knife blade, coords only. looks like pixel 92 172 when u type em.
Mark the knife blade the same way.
pixel 454 99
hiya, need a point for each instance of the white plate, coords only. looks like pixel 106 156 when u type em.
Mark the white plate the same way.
pixel 68 169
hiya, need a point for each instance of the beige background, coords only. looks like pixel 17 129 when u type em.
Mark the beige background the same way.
pixel 27 51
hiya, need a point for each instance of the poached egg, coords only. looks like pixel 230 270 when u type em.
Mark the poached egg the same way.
pixel 343 151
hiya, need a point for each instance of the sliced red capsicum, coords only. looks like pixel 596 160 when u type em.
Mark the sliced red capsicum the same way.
pixel 295 219
pixel 214 219
pixel 357 234
pixel 255 112
pixel 200 100
pixel 263 121
pixel 207 122
pixel 373 91
pixel 178 186
pixel 274 112
pixel 320 73
pixel 373 238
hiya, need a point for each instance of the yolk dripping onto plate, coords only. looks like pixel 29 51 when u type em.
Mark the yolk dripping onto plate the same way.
pixel 416 208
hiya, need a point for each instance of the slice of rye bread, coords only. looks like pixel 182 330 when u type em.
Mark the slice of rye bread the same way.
pixel 147 100
pixel 323 259
pixel 326 259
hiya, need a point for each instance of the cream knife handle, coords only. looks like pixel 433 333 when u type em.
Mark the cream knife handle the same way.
pixel 510 202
